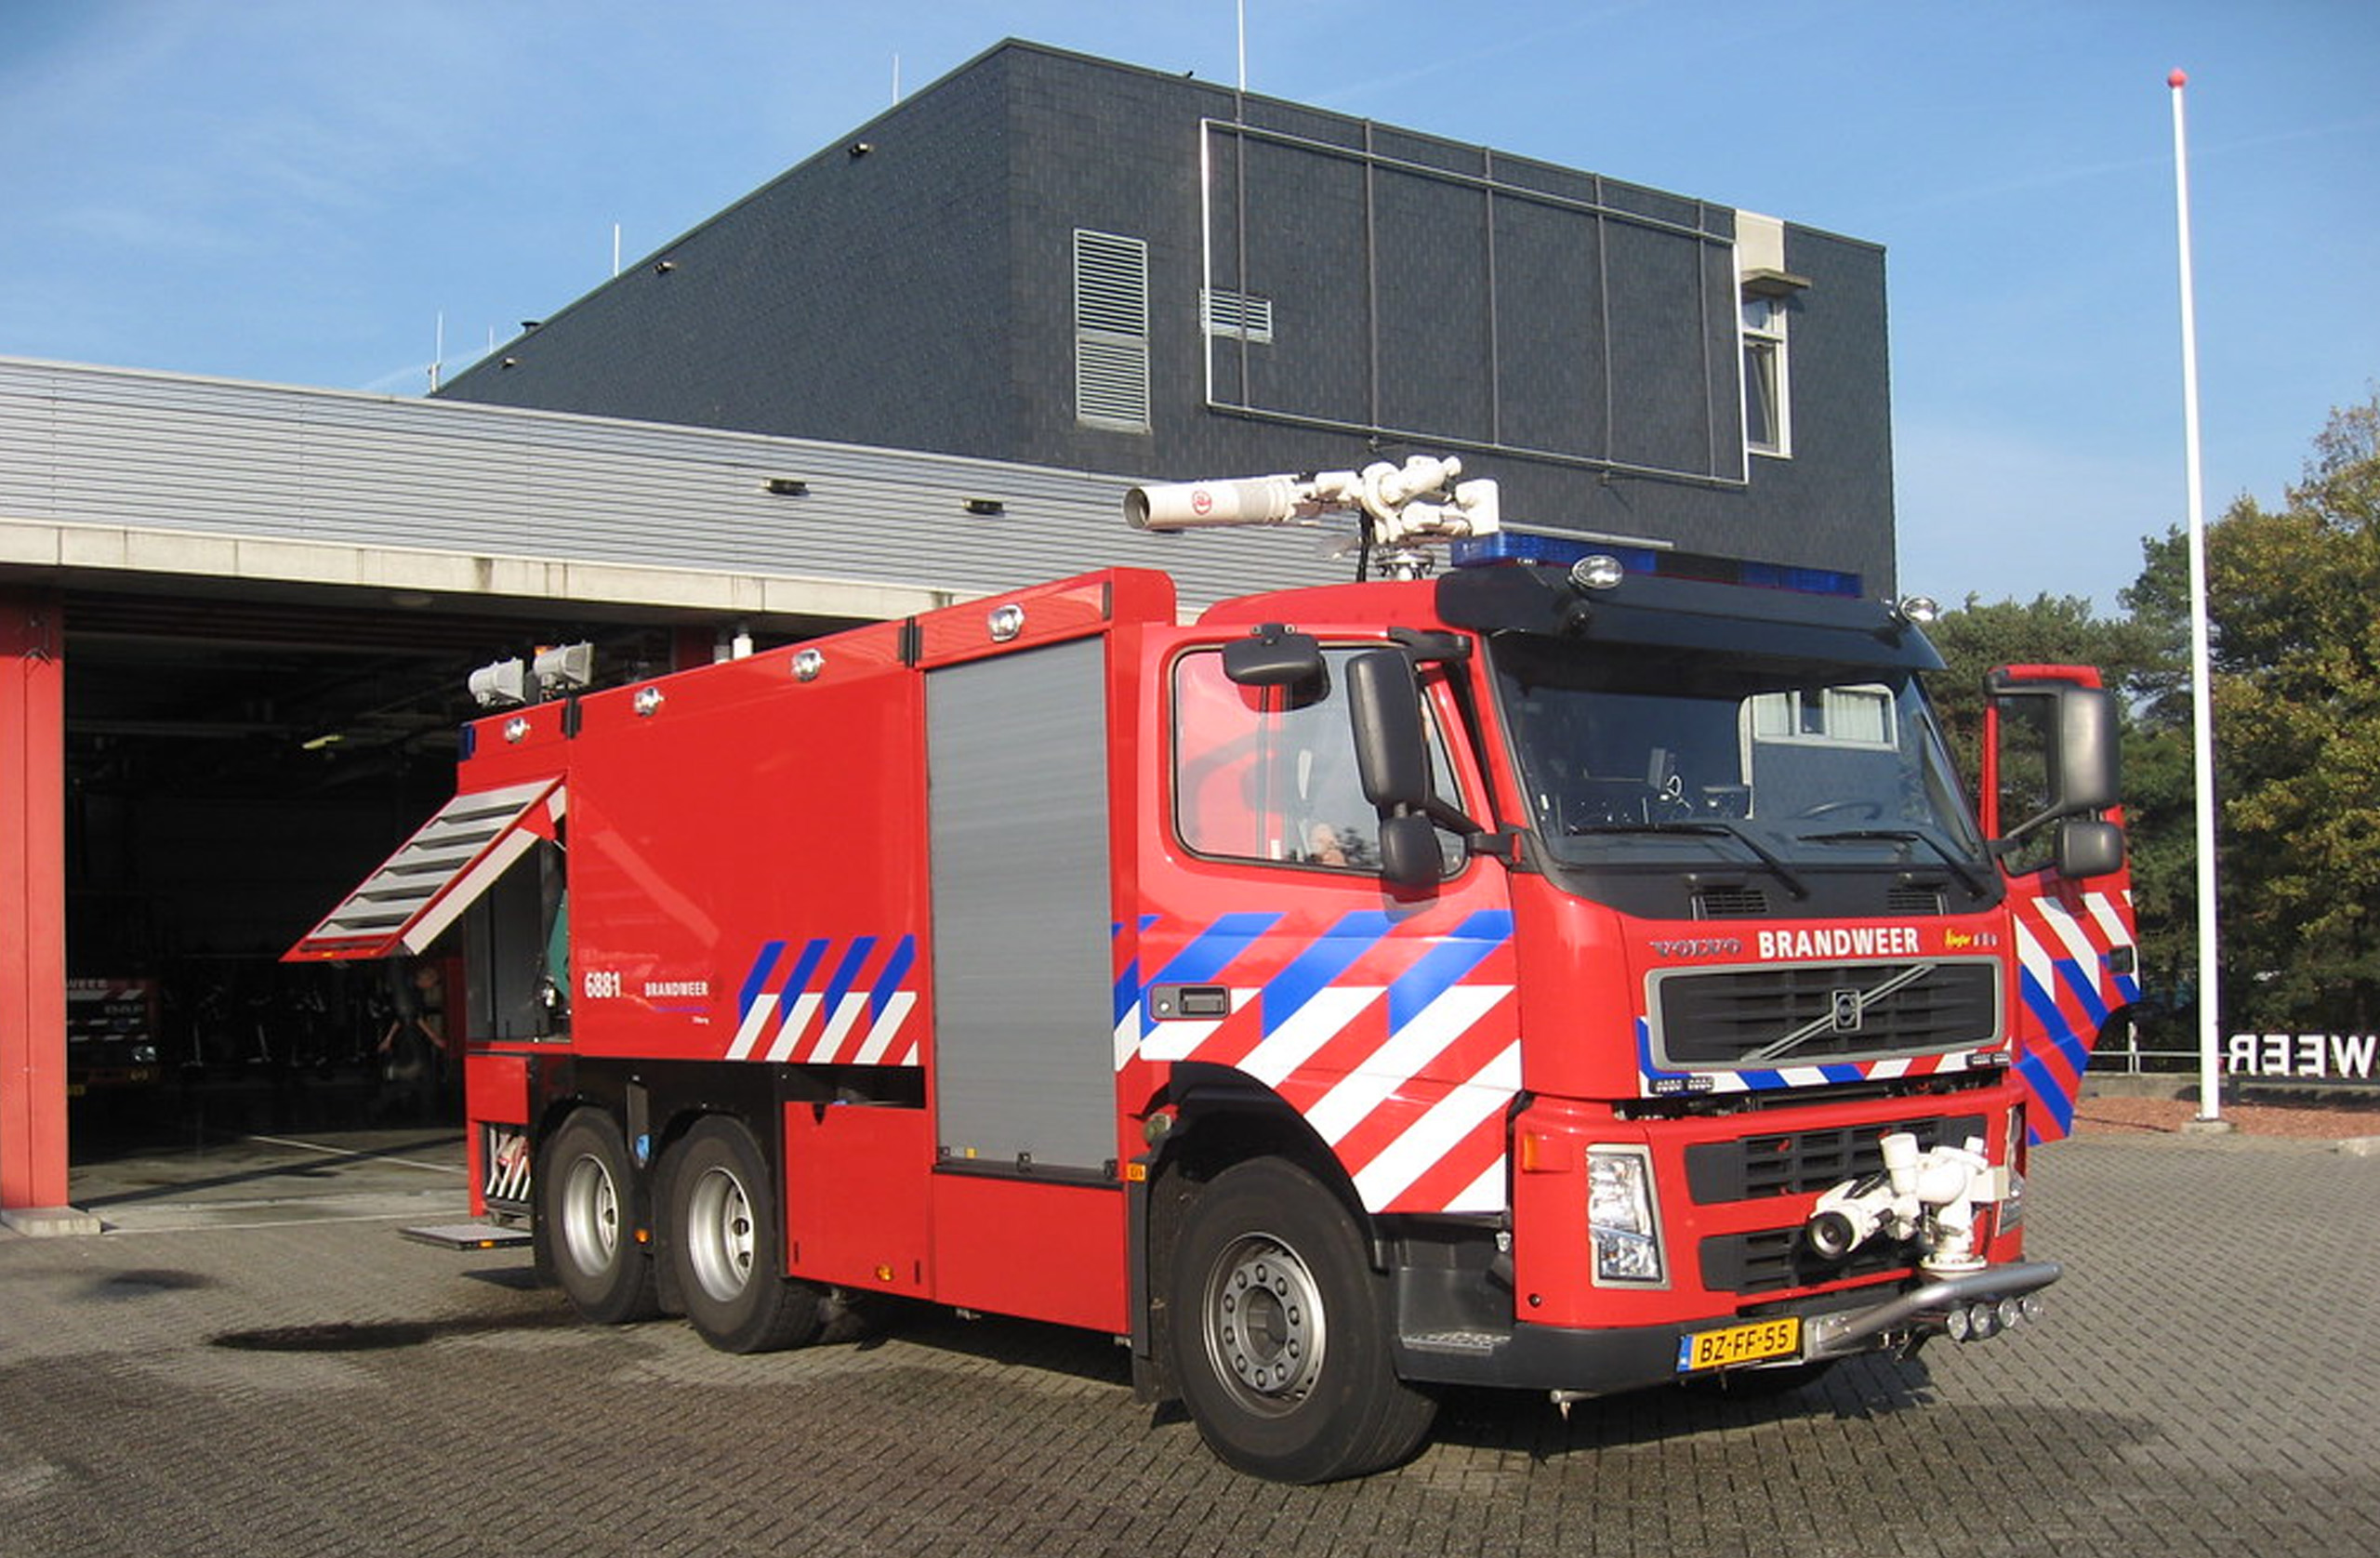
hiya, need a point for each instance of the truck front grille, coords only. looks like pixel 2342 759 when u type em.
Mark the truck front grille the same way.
pixel 1775 1258
pixel 1806 1162
pixel 1798 1015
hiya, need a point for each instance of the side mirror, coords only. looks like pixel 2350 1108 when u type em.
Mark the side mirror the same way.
pixel 1275 657
pixel 1409 851
pixel 2055 723
pixel 2084 777
pixel 2087 849
pixel 1391 752
pixel 1392 759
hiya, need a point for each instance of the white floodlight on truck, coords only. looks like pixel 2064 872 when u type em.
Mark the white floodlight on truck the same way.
pixel 501 684
pixel 566 669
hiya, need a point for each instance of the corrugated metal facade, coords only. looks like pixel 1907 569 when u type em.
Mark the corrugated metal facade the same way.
pixel 104 446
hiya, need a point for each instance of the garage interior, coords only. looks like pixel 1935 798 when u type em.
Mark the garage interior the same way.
pixel 231 762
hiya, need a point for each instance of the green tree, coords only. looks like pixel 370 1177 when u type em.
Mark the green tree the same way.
pixel 2294 602
pixel 2049 630
pixel 2140 659
pixel 2295 606
pixel 2160 791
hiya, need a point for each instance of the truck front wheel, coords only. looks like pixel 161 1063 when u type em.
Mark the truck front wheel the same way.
pixel 586 1191
pixel 728 1244
pixel 1279 1333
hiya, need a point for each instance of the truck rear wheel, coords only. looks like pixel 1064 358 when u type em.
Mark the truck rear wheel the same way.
pixel 728 1245
pixel 1280 1332
pixel 587 1194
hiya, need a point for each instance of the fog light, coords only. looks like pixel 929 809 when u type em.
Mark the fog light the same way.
pixel 1958 1324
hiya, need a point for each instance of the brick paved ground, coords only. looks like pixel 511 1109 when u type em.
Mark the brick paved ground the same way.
pixel 2328 1118
pixel 239 1370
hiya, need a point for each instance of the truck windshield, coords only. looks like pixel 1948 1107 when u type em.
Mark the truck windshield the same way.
pixel 1644 755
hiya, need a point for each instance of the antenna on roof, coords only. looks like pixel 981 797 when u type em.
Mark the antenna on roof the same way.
pixel 896 78
pixel 438 352
pixel 615 251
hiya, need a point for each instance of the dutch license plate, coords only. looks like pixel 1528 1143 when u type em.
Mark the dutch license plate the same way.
pixel 1758 1342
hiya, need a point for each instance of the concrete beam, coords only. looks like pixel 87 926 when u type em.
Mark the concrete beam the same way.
pixel 67 549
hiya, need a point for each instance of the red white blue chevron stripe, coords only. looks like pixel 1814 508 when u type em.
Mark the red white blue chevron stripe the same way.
pixel 835 1001
pixel 1395 1038
pixel 1764 1079
pixel 2067 987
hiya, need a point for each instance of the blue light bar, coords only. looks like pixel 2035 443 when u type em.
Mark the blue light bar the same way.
pixel 1554 551
pixel 1560 551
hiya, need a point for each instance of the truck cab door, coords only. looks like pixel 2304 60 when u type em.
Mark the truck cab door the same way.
pixel 1287 946
pixel 2056 832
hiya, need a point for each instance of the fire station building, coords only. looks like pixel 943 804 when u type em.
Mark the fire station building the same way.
pixel 1055 259
pixel 237 620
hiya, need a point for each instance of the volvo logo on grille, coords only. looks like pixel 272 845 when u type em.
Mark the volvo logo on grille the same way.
pixel 1849 1008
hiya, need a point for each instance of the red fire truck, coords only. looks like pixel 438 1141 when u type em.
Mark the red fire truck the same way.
pixel 1576 969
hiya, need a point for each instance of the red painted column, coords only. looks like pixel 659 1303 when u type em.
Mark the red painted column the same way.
pixel 33 902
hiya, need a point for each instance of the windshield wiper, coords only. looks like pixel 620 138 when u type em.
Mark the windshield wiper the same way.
pixel 1975 886
pixel 1716 828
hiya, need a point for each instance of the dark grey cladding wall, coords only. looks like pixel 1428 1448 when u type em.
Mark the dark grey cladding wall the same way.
pixel 1835 497
pixel 856 298
pixel 920 296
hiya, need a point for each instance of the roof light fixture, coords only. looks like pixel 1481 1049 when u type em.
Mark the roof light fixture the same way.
pixel 1597 571
pixel 500 684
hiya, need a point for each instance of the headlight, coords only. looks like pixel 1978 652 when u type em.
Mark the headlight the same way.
pixel 1622 1217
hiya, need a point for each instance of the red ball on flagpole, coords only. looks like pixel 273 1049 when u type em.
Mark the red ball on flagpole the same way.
pixel 2178 80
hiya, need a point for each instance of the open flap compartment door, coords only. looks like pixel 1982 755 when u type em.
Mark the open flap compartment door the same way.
pixel 436 874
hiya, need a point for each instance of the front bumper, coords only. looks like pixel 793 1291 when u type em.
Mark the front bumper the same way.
pixel 1921 1311
pixel 1581 1363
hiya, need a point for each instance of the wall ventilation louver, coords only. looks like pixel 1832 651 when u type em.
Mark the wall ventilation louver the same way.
pixel 1111 331
pixel 1236 315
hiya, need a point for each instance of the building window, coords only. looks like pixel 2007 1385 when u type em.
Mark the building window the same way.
pixel 1236 315
pixel 1111 332
pixel 1767 405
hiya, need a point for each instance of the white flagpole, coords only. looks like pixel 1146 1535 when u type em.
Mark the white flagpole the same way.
pixel 2210 1082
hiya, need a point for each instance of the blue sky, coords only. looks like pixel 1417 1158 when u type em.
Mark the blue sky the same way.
pixel 295 191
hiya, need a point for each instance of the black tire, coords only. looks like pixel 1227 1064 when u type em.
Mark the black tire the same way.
pixel 1280 1332
pixel 726 1243
pixel 587 1197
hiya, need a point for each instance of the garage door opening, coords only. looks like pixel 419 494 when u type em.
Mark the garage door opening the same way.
pixel 231 766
